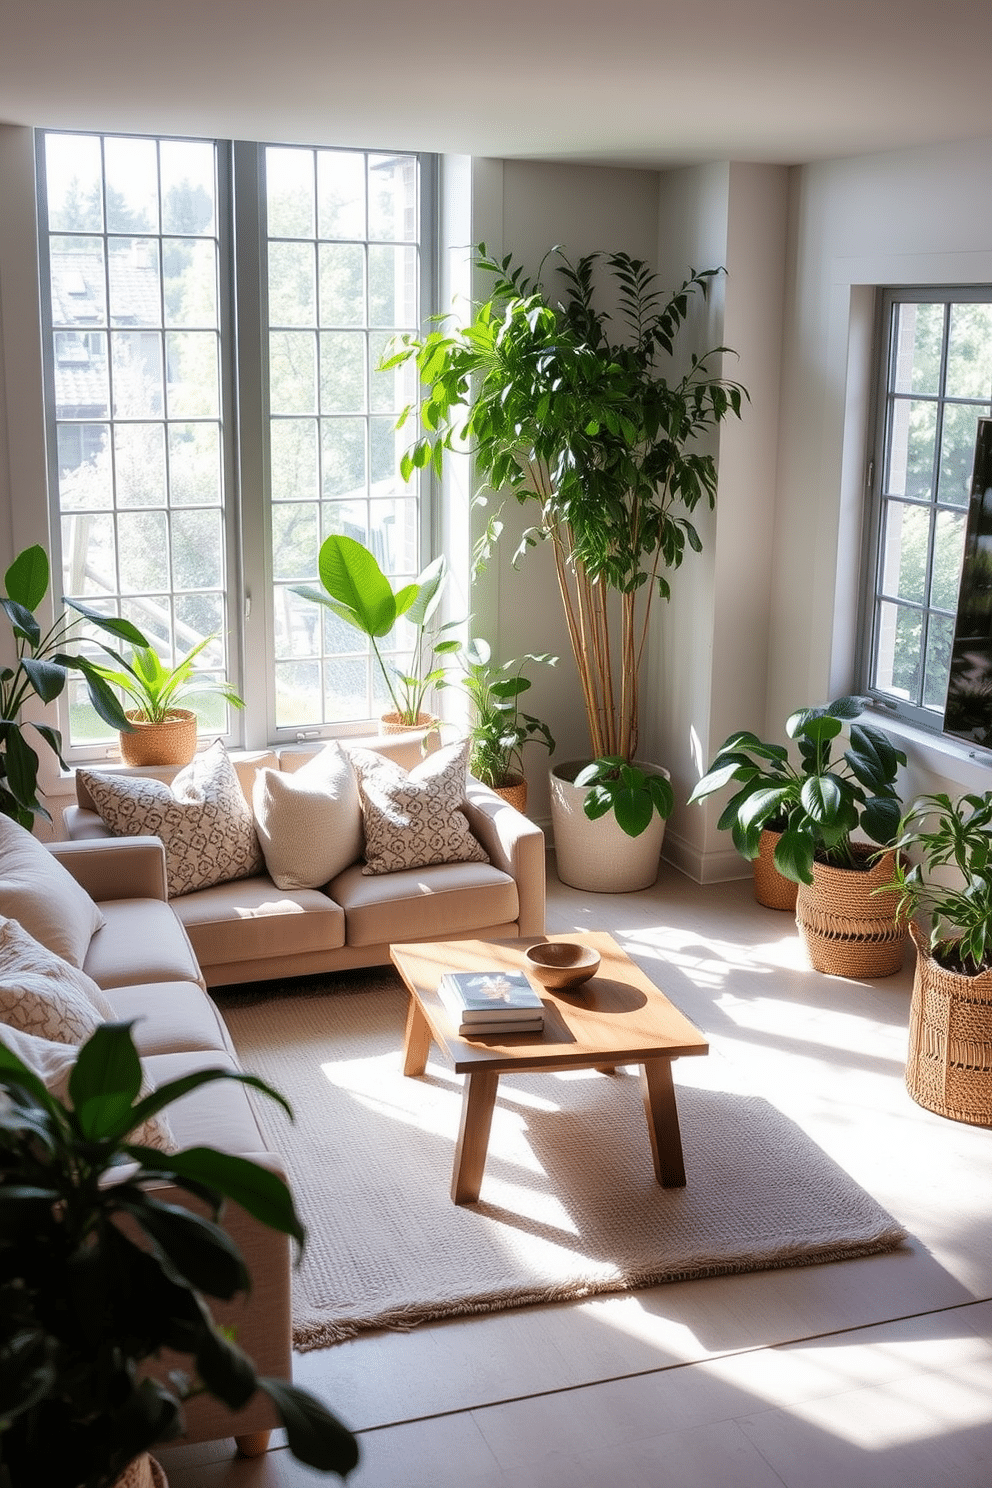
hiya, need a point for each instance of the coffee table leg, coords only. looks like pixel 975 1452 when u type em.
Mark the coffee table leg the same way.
pixel 478 1100
pixel 663 1122
pixel 417 1043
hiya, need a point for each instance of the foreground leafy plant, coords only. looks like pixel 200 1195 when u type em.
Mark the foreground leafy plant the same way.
pixel 938 834
pixel 588 428
pixel 817 805
pixel 82 1305
pixel 500 728
pixel 42 670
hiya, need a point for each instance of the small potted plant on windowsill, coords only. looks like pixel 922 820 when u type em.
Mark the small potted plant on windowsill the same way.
pixel 943 876
pixel 821 802
pixel 98 1275
pixel 161 732
pixel 359 593
pixel 500 728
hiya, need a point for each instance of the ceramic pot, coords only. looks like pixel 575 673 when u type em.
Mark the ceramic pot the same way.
pixel 849 929
pixel 598 856
pixel 949 1063
pixel 172 742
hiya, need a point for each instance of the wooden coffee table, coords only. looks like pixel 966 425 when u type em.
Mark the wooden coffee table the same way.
pixel 618 1017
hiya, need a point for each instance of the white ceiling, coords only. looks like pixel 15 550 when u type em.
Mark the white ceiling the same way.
pixel 638 82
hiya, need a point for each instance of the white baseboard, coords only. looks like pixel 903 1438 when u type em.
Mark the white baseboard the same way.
pixel 705 868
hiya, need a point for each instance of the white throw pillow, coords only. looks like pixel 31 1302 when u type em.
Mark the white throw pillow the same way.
pixel 53 1064
pixel 309 821
pixel 42 895
pixel 40 993
pixel 203 819
pixel 413 820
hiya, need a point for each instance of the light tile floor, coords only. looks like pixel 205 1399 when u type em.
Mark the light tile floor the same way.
pixel 862 1374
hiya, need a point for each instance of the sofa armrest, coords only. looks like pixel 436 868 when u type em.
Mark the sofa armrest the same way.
pixel 115 867
pixel 515 844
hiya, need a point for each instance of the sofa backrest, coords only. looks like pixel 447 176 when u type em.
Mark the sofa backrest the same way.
pixel 405 749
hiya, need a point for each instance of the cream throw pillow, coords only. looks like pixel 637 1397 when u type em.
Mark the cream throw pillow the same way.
pixel 42 895
pixel 203 819
pixel 309 821
pixel 42 994
pixel 413 820
pixel 53 1063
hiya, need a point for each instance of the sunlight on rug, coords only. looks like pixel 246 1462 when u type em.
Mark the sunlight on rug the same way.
pixel 569 1204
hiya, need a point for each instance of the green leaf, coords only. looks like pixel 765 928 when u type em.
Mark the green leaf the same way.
pixel 105 1080
pixel 47 678
pixel 315 1435
pixel 794 856
pixel 256 1188
pixel 202 1253
pixel 26 580
pixel 353 578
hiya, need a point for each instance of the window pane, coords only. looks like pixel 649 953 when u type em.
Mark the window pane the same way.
pixel 86 477
pixel 292 284
pixel 189 270
pixel 393 287
pixel 82 381
pixel 197 549
pixel 342 372
pixel 289 176
pixel 131 171
pixel 292 372
pixel 194 465
pixel 917 348
pixel 189 193
pixel 341 193
pixel 193 374
pixel 393 198
pixel 948 551
pixel 74 175
pixel 342 284
pixel 342 456
pixel 957 452
pixel 135 287
pixel 137 373
pixel 907 535
pixel 939 643
pixel 293 453
pixel 969 352
pixel 139 464
pixel 910 454
pixel 900 639
pixel 143 552
pixel 78 280
pixel 295 541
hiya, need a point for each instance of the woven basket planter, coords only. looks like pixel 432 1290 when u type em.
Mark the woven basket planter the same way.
pixel 849 930
pixel 514 791
pixel 172 742
pixel 392 723
pixel 949 1064
pixel 144 1472
pixel 771 888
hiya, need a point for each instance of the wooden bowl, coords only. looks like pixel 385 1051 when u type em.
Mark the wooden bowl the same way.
pixel 561 964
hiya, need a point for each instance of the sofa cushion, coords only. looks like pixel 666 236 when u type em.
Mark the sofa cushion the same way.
pixel 40 993
pixel 413 819
pixel 142 941
pixel 218 1114
pixel 171 1018
pixel 43 896
pixel 253 920
pixel 309 822
pixel 426 904
pixel 203 819
pixel 53 1063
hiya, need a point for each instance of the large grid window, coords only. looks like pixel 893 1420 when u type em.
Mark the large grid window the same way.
pixel 935 383
pixel 156 511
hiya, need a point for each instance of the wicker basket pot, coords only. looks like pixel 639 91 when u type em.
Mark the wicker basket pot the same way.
pixel 513 791
pixel 392 723
pixel 848 929
pixel 949 1064
pixel 771 888
pixel 172 742
pixel 144 1472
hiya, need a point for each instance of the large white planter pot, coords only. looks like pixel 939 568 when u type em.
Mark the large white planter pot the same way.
pixel 598 856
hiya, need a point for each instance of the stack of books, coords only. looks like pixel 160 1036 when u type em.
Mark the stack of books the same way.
pixel 488 1002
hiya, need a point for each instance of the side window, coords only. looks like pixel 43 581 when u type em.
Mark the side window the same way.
pixel 934 384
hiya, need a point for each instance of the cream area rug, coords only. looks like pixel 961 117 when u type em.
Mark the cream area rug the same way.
pixel 569 1204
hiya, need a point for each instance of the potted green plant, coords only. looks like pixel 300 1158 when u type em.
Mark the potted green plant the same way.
pixel 843 781
pixel 83 1303
pixel 41 671
pixel 500 728
pixel 358 592
pixel 592 430
pixel 161 732
pixel 943 876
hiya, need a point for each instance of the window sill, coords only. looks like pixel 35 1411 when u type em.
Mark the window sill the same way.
pixel 961 762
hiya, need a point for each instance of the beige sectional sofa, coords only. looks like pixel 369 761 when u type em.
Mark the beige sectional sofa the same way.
pixel 249 929
pixel 141 958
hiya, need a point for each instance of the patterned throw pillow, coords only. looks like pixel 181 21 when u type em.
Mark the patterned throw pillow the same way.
pixel 203 819
pixel 413 820
pixel 53 1063
pixel 309 821
pixel 42 895
pixel 40 993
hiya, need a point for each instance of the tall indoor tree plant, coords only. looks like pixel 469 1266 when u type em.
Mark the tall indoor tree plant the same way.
pixel 593 425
